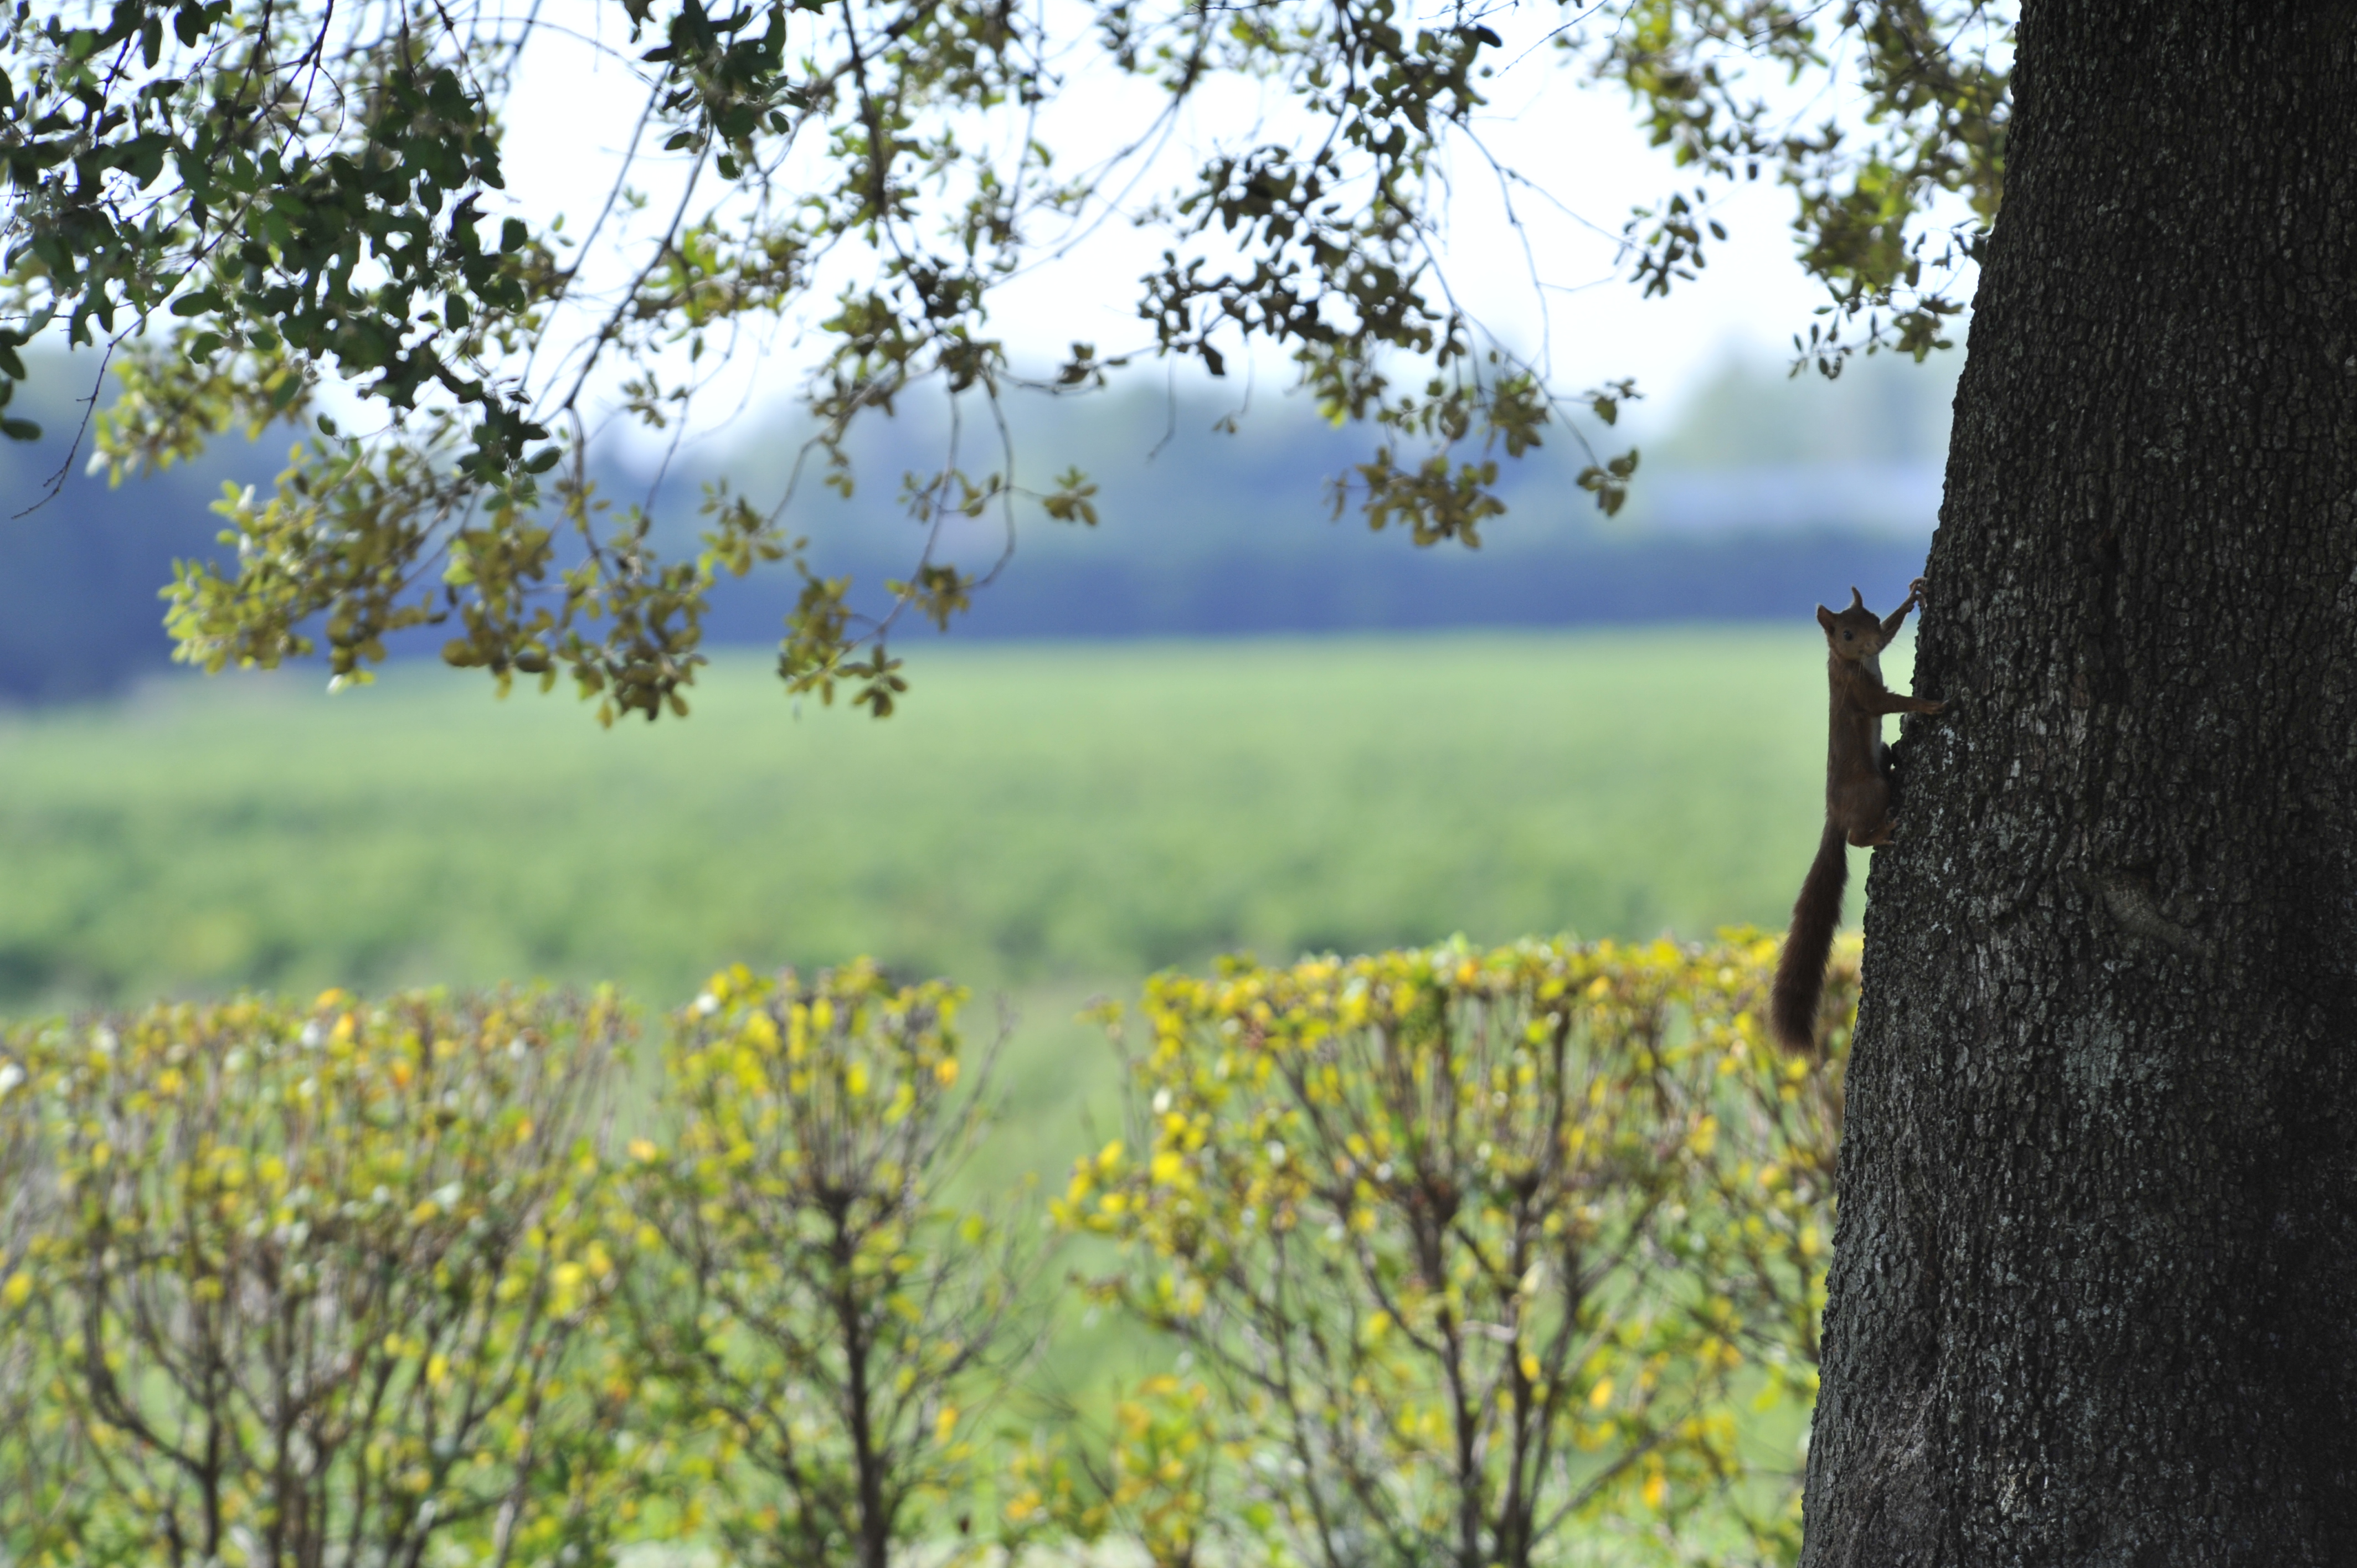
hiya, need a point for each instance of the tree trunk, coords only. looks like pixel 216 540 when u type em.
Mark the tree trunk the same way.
pixel 2095 1292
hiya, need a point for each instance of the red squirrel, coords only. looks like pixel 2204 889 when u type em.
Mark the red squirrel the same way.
pixel 1858 804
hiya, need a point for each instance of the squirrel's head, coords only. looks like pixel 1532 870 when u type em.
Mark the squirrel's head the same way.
pixel 1852 633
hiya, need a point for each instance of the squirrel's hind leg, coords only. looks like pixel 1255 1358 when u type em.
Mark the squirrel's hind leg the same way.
pixel 1878 834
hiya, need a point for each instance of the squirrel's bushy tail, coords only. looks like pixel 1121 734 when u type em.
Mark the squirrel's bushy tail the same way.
pixel 1800 971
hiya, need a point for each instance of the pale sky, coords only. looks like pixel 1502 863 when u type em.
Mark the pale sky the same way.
pixel 572 111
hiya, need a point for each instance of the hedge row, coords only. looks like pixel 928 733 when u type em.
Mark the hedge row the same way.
pixel 1460 1257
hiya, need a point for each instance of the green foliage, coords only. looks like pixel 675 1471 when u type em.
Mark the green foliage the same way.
pixel 1922 147
pixel 39 1451
pixel 812 1298
pixel 1155 1478
pixel 242 198
pixel 1478 1256
pixel 1759 1215
pixel 1456 1238
pixel 1164 1458
pixel 318 1281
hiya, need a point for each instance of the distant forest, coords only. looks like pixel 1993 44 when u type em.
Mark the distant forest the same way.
pixel 1758 496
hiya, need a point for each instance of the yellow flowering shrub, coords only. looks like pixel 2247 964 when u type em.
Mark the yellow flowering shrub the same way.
pixel 36 1458
pixel 1440 1224
pixel 812 1301
pixel 1158 1477
pixel 1759 1236
pixel 317 1282
pixel 1475 1257
pixel 1164 1464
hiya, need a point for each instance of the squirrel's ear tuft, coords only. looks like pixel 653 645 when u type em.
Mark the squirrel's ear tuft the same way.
pixel 1825 618
pixel 1856 599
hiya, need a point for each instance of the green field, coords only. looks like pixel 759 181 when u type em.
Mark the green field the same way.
pixel 1072 813
pixel 1044 822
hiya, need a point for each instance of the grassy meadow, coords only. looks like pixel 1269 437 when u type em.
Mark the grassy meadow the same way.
pixel 1043 822
pixel 1060 812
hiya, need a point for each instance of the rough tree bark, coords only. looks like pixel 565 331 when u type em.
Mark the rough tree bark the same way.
pixel 2094 1293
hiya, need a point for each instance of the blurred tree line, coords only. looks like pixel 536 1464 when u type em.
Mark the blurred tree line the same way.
pixel 1202 532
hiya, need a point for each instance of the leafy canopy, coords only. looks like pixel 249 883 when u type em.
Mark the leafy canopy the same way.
pixel 242 199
